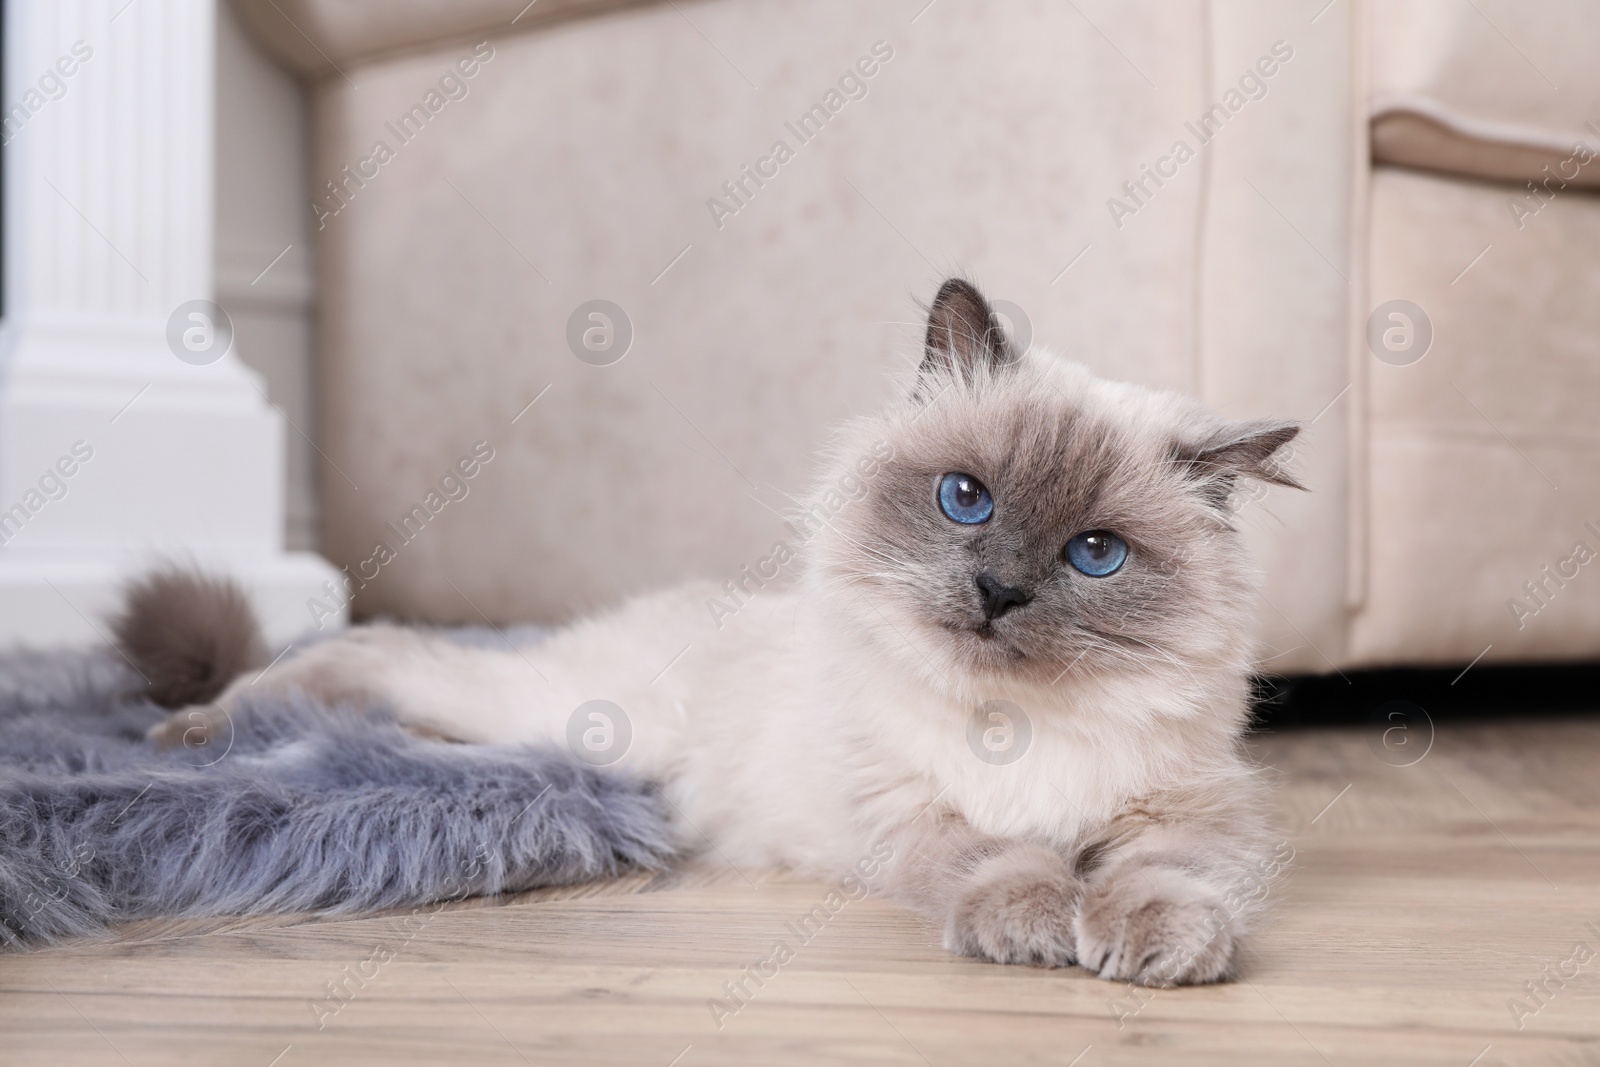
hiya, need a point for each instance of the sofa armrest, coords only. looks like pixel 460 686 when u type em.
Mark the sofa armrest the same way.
pixel 317 39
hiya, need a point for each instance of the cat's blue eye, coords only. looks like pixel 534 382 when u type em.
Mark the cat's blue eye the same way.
pixel 1097 553
pixel 964 499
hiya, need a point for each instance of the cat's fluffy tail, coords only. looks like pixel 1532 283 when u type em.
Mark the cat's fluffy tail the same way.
pixel 189 634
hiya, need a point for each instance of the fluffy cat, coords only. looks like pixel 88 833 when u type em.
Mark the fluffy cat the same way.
pixel 1010 679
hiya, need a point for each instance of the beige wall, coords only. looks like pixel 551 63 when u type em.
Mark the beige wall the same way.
pixel 579 167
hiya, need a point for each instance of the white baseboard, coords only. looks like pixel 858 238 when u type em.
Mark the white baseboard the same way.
pixel 51 599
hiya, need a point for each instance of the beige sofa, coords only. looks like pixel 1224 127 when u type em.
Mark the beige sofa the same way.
pixel 1340 156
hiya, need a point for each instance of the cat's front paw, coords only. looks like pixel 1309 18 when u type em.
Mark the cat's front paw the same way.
pixel 1156 927
pixel 1017 907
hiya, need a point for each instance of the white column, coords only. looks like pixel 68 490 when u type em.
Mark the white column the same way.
pixel 124 437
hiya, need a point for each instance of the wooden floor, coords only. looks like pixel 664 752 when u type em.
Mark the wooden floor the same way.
pixel 1420 901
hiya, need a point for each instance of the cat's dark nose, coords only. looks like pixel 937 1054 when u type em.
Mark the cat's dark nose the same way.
pixel 998 597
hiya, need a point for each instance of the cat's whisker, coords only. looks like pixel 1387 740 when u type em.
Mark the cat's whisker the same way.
pixel 858 577
pixel 1159 658
pixel 801 504
pixel 1118 645
pixel 883 557
pixel 880 554
pixel 1189 667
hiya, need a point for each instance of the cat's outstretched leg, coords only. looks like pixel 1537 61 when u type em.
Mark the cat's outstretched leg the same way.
pixel 196 643
pixel 439 688
pixel 347 671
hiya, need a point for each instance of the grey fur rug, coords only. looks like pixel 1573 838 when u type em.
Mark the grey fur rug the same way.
pixel 299 810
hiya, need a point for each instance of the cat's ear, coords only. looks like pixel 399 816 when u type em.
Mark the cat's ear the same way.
pixel 963 334
pixel 1249 449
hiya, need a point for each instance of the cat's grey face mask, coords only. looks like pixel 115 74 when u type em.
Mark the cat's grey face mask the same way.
pixel 1030 524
